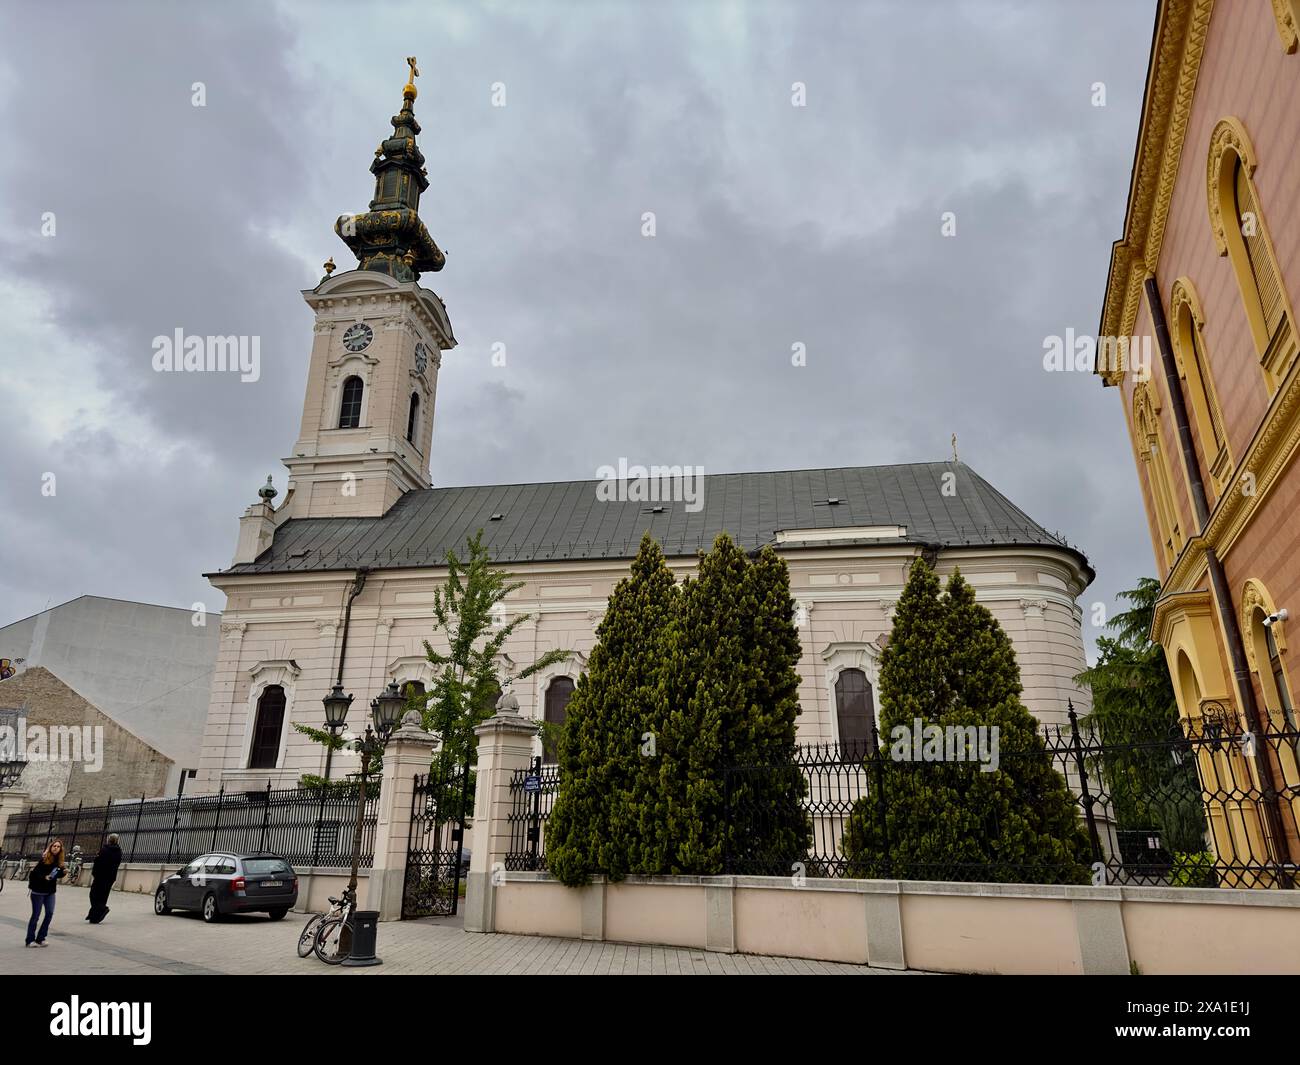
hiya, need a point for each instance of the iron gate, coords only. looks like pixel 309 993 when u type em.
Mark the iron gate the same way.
pixel 440 806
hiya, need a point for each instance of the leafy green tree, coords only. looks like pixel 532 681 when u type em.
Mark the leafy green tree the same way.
pixel 331 742
pixel 468 612
pixel 949 664
pixel 1134 712
pixel 596 823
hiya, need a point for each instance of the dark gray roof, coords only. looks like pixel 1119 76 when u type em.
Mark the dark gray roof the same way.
pixel 564 520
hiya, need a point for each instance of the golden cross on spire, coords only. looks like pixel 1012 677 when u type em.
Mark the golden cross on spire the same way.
pixel 409 90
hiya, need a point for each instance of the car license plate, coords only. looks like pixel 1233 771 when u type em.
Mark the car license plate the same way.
pixel 272 883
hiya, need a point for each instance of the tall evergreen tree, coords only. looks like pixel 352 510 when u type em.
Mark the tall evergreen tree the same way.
pixel 949 663
pixel 769 827
pixel 595 825
pixel 707 720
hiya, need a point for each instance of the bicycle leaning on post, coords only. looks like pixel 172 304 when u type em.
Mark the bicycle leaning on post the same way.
pixel 333 931
pixel 307 939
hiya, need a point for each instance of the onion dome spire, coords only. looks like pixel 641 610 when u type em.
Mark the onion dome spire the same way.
pixel 390 238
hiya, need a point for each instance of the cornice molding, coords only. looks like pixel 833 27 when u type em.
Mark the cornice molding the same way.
pixel 1171 84
pixel 1171 608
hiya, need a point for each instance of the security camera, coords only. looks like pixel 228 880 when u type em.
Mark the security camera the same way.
pixel 1272 619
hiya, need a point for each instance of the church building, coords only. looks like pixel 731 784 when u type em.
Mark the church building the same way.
pixel 337 582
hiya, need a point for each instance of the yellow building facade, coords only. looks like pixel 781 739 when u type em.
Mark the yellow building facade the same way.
pixel 1206 277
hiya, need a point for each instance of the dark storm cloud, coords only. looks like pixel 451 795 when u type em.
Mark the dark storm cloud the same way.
pixel 776 225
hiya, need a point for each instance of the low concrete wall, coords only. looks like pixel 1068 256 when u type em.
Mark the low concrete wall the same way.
pixel 315 886
pixel 939 927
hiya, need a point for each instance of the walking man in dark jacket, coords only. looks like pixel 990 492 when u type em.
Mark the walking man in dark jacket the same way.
pixel 102 875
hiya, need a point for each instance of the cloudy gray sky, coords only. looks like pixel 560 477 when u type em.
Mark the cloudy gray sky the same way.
pixel 776 225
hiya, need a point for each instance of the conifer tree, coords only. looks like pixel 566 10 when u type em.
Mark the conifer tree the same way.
pixel 769 828
pixel 595 825
pixel 949 663
pixel 707 721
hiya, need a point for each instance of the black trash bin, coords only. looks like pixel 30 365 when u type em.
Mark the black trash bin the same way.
pixel 365 932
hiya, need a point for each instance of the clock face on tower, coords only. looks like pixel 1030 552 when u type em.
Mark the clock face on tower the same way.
pixel 421 358
pixel 358 337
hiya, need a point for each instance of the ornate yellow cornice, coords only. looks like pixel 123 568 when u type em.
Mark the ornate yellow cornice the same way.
pixel 1173 606
pixel 1179 43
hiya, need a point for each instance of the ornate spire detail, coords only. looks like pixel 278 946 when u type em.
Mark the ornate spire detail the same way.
pixel 390 238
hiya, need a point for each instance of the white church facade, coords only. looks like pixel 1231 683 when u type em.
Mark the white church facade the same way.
pixel 337 581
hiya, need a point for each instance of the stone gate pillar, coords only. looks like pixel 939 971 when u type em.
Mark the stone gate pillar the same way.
pixel 409 752
pixel 505 744
pixel 12 801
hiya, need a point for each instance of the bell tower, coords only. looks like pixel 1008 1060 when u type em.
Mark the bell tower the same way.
pixel 367 421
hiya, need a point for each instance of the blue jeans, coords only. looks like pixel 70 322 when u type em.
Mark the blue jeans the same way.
pixel 40 902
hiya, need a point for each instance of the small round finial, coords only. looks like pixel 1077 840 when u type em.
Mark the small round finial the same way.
pixel 267 491
pixel 329 266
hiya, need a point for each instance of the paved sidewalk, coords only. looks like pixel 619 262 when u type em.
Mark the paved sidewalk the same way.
pixel 134 940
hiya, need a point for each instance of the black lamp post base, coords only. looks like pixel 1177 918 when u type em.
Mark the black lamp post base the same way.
pixel 356 963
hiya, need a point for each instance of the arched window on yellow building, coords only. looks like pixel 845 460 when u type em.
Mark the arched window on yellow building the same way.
pixel 1265 645
pixel 1198 385
pixel 1241 234
pixel 1265 639
pixel 1146 435
pixel 1287 15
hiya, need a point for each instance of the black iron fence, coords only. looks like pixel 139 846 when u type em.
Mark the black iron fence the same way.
pixel 1207 804
pixel 532 795
pixel 306 827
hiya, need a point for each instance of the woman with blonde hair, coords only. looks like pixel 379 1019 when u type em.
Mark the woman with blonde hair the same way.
pixel 41 886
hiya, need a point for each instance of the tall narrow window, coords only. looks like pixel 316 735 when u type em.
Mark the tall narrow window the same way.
pixel 1198 385
pixel 855 710
pixel 1268 288
pixel 267 726
pixel 1146 436
pixel 558 694
pixel 1241 233
pixel 1279 678
pixel 413 418
pixel 413 692
pixel 491 698
pixel 350 407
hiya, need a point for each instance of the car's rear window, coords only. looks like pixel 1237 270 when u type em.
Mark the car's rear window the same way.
pixel 258 866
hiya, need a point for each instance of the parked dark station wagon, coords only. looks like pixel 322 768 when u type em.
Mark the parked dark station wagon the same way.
pixel 221 883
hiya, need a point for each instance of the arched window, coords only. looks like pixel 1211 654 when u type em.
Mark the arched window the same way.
pixel 1287 14
pixel 1264 653
pixel 1202 398
pixel 267 726
pixel 413 691
pixel 558 694
pixel 1241 234
pixel 350 407
pixel 1146 435
pixel 489 705
pixel 1267 286
pixel 413 418
pixel 855 710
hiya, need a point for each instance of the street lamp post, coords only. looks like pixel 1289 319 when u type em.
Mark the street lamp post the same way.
pixel 336 712
pixel 385 711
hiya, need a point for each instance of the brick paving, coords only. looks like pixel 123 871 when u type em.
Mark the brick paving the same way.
pixel 134 940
